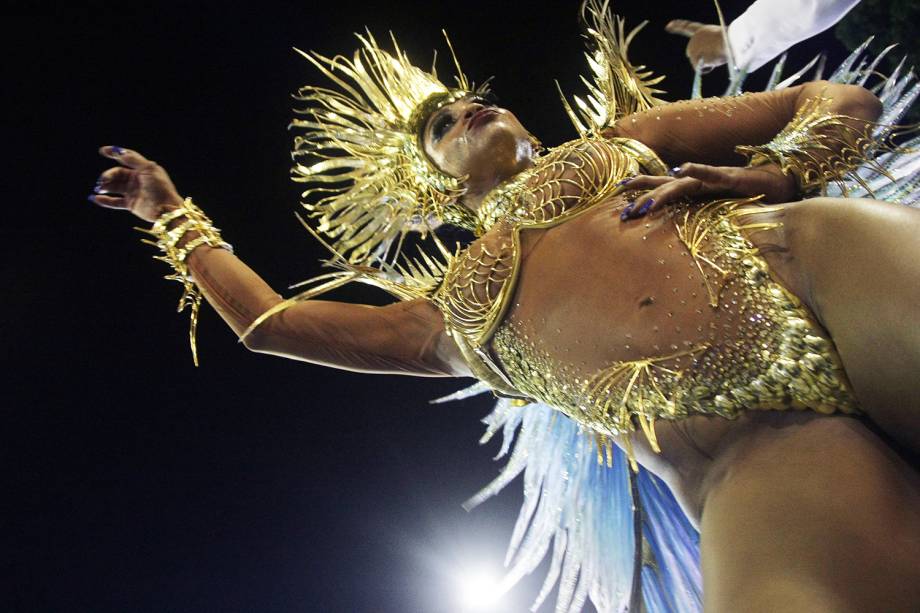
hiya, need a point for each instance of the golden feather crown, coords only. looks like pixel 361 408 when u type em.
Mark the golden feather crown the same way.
pixel 370 181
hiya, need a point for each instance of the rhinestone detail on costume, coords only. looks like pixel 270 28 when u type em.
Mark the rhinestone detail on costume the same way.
pixel 776 358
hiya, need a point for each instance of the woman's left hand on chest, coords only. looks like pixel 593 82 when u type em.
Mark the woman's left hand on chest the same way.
pixel 697 181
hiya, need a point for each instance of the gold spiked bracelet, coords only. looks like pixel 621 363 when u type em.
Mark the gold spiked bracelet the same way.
pixel 169 240
pixel 818 147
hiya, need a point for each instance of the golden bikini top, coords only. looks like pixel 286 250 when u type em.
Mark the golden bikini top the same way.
pixel 779 358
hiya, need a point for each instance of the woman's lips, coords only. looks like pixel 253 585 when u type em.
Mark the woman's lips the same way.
pixel 481 117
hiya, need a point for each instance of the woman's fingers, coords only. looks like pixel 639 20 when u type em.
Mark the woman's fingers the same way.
pixel 699 180
pixel 715 175
pixel 685 181
pixel 641 182
pixel 660 191
pixel 651 184
pixel 109 202
pixel 125 157
pixel 665 194
pixel 118 187
pixel 137 184
pixel 117 180
pixel 112 187
pixel 767 180
pixel 683 27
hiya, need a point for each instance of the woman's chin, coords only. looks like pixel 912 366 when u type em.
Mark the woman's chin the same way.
pixel 504 155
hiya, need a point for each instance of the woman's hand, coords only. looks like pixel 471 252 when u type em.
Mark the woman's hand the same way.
pixel 706 48
pixel 697 181
pixel 137 185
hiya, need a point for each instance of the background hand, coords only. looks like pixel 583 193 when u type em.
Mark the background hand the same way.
pixel 706 49
pixel 137 185
pixel 697 181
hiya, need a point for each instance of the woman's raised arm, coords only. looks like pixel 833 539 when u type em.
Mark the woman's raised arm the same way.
pixel 707 131
pixel 702 136
pixel 404 338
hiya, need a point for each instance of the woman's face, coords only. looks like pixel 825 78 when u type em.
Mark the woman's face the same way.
pixel 475 139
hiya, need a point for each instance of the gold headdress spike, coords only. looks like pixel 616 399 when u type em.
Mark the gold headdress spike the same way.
pixel 615 87
pixel 361 153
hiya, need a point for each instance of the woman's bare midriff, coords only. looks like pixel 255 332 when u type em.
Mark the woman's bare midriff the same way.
pixel 659 304
pixel 798 511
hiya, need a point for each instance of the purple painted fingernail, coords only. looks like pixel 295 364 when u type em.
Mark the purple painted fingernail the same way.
pixel 98 188
pixel 674 171
pixel 624 181
pixel 625 214
pixel 645 207
pixel 117 150
pixel 91 198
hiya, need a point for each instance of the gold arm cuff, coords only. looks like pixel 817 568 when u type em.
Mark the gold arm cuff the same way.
pixel 818 147
pixel 174 252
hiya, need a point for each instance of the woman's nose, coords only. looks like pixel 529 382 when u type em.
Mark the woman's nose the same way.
pixel 471 110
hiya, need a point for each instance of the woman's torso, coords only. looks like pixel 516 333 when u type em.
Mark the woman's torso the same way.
pixel 588 307
pixel 596 310
pixel 680 296
pixel 605 311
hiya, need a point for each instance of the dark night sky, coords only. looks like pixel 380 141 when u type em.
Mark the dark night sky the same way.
pixel 133 481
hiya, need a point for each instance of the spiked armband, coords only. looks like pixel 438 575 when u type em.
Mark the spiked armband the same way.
pixel 818 147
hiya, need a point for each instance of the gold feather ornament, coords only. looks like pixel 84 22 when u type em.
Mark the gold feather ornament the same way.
pixel 616 88
pixel 369 179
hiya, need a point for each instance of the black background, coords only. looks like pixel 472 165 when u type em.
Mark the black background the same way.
pixel 135 482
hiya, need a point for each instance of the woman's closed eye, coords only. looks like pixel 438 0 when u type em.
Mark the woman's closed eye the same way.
pixel 441 125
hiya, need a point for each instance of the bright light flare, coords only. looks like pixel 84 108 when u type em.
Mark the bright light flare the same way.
pixel 479 589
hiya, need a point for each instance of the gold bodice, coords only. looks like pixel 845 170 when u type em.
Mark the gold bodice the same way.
pixel 479 280
pixel 748 343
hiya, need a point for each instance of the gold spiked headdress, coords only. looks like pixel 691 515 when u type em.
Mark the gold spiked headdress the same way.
pixel 362 155
pixel 615 87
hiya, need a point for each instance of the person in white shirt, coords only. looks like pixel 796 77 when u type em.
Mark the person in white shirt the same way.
pixel 764 31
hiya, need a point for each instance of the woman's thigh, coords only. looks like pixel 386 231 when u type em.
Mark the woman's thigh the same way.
pixel 813 516
pixel 858 262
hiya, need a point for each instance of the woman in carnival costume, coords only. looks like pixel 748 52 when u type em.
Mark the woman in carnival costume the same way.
pixel 648 331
